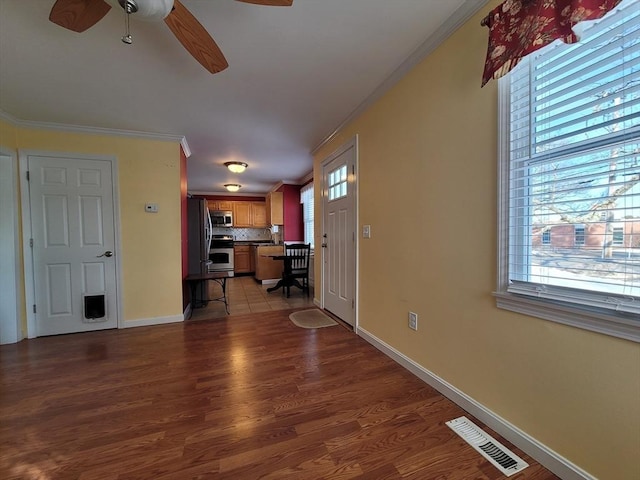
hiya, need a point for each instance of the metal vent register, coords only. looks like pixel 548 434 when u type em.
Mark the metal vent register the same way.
pixel 499 455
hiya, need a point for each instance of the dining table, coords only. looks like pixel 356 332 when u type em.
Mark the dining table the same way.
pixel 199 279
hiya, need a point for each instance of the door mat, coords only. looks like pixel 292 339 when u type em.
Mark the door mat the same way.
pixel 312 318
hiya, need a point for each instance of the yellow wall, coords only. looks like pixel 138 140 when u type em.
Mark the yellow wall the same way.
pixel 7 135
pixel 427 185
pixel 148 172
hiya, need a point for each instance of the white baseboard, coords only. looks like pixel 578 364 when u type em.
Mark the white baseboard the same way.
pixel 145 322
pixel 543 454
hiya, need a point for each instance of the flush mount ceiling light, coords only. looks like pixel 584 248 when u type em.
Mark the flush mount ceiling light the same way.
pixel 236 167
pixel 232 187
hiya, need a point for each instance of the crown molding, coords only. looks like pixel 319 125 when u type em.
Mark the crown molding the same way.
pixel 306 179
pixel 97 131
pixel 8 118
pixel 276 186
pixel 301 181
pixel 185 147
pixel 455 21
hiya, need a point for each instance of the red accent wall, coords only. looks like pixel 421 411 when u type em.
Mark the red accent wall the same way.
pixel 183 211
pixel 183 225
pixel 293 228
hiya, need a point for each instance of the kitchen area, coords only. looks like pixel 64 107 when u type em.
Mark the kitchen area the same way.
pixel 238 235
pixel 244 232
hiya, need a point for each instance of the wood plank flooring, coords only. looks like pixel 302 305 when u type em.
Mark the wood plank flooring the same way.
pixel 242 397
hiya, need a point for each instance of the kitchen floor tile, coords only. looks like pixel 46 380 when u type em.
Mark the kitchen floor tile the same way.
pixel 245 295
pixel 260 307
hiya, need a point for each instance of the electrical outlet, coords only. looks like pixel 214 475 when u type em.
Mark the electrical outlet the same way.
pixel 151 207
pixel 413 321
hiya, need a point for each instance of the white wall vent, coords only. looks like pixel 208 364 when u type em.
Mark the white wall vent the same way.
pixel 499 455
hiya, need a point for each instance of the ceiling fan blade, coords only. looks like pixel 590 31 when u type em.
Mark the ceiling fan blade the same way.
pixel 271 3
pixel 195 38
pixel 78 15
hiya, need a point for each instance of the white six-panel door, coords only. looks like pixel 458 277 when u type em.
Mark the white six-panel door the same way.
pixel 73 231
pixel 338 241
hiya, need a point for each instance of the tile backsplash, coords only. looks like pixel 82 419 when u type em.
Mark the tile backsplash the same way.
pixel 244 234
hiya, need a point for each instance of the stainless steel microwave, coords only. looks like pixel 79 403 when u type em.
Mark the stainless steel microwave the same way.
pixel 222 218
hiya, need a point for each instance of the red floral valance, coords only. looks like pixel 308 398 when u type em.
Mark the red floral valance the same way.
pixel 519 27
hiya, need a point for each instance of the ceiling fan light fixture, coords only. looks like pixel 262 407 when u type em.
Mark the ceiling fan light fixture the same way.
pixel 79 15
pixel 152 10
pixel 236 167
pixel 232 187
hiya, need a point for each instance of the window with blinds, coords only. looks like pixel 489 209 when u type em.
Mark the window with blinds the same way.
pixel 573 169
pixel 306 199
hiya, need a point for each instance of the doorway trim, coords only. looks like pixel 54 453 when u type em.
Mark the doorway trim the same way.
pixel 350 143
pixel 29 280
pixel 10 319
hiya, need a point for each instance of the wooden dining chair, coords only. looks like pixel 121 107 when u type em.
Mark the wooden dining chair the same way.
pixel 299 266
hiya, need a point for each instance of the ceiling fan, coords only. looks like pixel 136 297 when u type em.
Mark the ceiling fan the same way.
pixel 79 15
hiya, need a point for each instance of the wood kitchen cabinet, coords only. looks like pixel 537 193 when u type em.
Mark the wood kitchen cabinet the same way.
pixel 242 214
pixel 242 259
pixel 268 268
pixel 252 257
pixel 246 214
pixel 259 214
pixel 275 208
pixel 220 204
pixel 249 214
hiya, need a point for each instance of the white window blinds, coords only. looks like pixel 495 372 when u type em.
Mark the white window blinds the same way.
pixel 574 167
pixel 306 199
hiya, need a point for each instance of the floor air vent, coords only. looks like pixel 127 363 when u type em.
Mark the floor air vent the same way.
pixel 499 455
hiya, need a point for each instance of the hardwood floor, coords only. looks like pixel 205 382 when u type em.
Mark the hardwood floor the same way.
pixel 241 397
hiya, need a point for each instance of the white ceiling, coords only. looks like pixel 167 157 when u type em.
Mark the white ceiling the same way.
pixel 295 75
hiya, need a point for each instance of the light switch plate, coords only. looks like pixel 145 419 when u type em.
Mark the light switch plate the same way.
pixel 366 231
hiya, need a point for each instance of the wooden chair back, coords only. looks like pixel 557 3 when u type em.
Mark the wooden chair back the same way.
pixel 302 250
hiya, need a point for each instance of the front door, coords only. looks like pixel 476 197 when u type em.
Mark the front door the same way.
pixel 338 240
pixel 73 238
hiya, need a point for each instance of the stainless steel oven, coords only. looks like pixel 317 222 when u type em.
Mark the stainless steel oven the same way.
pixel 221 254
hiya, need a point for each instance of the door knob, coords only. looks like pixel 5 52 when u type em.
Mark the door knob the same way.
pixel 108 253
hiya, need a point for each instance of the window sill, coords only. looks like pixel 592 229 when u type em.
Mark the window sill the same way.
pixel 594 320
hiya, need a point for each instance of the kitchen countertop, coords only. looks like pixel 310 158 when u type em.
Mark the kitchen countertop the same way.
pixel 253 242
